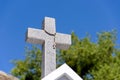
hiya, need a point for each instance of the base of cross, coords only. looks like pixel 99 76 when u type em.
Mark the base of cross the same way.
pixel 64 72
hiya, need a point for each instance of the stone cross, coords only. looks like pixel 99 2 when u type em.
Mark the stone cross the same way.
pixel 50 40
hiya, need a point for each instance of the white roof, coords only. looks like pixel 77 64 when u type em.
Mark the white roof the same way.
pixel 64 72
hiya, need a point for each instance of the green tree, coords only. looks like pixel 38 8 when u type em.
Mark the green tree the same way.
pixel 91 60
pixel 30 68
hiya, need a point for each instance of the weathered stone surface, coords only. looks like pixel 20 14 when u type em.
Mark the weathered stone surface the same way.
pixel 35 36
pixel 63 41
pixel 4 76
pixel 49 53
pixel 50 41
pixel 49 56
pixel 49 25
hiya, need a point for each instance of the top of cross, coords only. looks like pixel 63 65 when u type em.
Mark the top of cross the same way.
pixel 49 25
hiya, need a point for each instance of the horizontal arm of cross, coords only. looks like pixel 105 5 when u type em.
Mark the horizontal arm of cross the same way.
pixel 35 36
pixel 63 41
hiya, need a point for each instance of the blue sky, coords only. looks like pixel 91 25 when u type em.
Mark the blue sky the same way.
pixel 80 16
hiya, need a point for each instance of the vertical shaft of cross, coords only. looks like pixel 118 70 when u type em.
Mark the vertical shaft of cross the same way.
pixel 49 53
pixel 48 57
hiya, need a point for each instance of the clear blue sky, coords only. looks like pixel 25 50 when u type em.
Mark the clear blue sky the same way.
pixel 80 16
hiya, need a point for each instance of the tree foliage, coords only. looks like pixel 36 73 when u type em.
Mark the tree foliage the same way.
pixel 91 60
pixel 30 68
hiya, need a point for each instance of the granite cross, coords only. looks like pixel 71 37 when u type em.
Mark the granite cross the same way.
pixel 50 41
